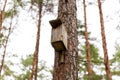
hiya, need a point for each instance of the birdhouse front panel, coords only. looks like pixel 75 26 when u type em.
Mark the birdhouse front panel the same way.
pixel 59 38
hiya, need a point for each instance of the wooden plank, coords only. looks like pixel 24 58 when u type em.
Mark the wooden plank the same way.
pixel 59 38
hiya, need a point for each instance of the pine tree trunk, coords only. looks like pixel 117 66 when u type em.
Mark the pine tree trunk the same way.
pixel 2 15
pixel 5 46
pixel 89 69
pixel 35 56
pixel 106 60
pixel 68 70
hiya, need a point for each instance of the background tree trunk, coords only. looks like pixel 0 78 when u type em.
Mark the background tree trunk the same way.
pixel 106 61
pixel 5 45
pixel 68 70
pixel 89 69
pixel 35 56
pixel 2 15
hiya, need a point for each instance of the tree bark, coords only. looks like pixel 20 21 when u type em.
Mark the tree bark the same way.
pixel 68 70
pixel 5 45
pixel 2 15
pixel 89 69
pixel 104 44
pixel 35 56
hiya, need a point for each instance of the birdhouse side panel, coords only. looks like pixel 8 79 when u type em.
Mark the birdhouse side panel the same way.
pixel 64 35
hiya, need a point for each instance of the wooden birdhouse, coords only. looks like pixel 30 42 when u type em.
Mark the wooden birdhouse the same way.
pixel 59 35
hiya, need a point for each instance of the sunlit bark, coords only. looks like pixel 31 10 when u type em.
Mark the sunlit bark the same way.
pixel 104 44
pixel 89 69
pixel 33 74
pixel 2 15
pixel 5 45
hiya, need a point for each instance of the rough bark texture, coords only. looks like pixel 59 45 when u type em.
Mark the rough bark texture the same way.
pixel 89 69
pixel 104 44
pixel 35 56
pixel 68 69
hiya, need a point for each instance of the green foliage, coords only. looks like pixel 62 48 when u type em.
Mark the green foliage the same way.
pixel 115 61
pixel 10 13
pixel 19 3
pixel 24 76
pixel 7 71
pixel 24 70
pixel 117 72
pixel 13 11
pixel 93 77
pixel 95 60
pixel 81 32
pixel 47 4
pixel 2 39
pixel 1 77
pixel 116 57
pixel 79 24
pixel 28 61
pixel 25 63
pixel 34 2
pixel 80 29
pixel 94 53
pixel 51 71
pixel 42 66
